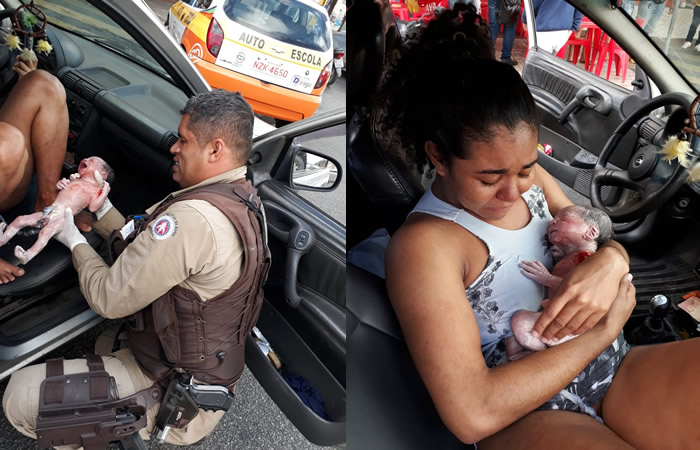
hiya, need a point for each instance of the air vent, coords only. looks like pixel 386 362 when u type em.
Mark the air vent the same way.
pixel 167 142
pixel 87 90
pixel 647 129
pixel 70 80
pixel 78 84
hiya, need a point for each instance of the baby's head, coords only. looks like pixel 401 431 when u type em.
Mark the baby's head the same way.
pixel 88 166
pixel 579 228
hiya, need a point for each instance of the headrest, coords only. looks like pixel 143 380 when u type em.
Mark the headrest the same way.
pixel 372 37
pixel 391 186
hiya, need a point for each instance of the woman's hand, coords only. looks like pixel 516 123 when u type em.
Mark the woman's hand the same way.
pixel 621 308
pixel 584 296
pixel 24 66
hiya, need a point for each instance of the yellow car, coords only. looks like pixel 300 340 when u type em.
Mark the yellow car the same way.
pixel 277 53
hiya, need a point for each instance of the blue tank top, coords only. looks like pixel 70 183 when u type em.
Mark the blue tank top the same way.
pixel 500 289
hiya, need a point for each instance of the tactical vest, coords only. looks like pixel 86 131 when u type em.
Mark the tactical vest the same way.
pixel 204 338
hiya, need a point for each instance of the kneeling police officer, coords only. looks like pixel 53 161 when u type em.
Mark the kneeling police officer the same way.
pixel 187 276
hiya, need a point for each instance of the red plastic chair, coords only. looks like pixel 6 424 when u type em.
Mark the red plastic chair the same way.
pixel 485 10
pixel 608 49
pixel 401 11
pixel 578 44
pixel 614 54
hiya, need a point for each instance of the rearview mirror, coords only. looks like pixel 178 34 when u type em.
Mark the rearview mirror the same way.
pixel 312 171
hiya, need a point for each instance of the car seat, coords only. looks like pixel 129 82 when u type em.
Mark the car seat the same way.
pixel 388 405
pixel 381 184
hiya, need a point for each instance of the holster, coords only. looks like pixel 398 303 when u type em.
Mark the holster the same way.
pixel 84 408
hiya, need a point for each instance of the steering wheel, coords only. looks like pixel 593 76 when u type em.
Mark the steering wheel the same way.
pixel 645 171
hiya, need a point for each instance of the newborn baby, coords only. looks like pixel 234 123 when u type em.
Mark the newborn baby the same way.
pixel 87 188
pixel 574 234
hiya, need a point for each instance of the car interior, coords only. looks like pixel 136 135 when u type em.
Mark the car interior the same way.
pixel 600 133
pixel 125 108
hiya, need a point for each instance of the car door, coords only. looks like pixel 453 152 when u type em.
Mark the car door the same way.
pixel 582 103
pixel 303 315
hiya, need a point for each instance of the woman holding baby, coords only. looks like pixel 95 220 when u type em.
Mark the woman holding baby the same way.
pixel 488 210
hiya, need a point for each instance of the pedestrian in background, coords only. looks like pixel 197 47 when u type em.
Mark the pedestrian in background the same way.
pixel 555 20
pixel 508 33
pixel 693 27
pixel 650 11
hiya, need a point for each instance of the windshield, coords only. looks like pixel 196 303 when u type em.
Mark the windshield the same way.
pixel 673 26
pixel 287 21
pixel 81 18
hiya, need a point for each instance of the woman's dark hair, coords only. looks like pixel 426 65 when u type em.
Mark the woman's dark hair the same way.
pixel 446 87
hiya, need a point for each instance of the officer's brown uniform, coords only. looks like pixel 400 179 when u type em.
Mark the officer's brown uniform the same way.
pixel 195 246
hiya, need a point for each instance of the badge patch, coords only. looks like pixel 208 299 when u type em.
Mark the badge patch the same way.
pixel 164 227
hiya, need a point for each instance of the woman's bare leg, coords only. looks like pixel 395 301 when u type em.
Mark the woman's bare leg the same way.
pixel 15 166
pixel 555 430
pixel 651 402
pixel 37 107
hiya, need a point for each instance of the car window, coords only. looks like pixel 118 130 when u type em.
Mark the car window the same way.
pixel 673 29
pixel 590 48
pixel 330 142
pixel 287 21
pixel 81 18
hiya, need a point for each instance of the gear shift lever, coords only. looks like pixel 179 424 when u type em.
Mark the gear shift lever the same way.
pixel 658 309
pixel 653 327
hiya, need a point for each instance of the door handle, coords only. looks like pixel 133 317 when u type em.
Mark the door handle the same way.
pixel 298 237
pixel 589 97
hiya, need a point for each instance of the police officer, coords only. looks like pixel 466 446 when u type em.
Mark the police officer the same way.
pixel 197 261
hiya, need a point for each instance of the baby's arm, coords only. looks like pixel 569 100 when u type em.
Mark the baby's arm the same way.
pixel 536 271
pixel 97 201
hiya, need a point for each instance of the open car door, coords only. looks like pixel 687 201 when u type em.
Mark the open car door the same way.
pixel 303 315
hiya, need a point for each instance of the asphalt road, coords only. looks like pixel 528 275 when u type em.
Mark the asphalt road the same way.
pixel 254 421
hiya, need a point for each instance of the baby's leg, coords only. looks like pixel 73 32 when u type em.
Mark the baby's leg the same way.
pixel 18 224
pixel 522 323
pixel 54 226
pixel 514 350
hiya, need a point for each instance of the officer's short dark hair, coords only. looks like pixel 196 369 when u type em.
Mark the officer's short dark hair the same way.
pixel 224 115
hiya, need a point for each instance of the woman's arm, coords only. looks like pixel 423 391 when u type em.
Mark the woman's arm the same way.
pixel 586 294
pixel 427 291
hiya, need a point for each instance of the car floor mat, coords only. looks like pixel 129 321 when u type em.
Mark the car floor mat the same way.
pixel 671 276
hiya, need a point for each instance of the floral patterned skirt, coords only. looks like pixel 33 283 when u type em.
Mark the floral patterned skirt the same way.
pixel 590 386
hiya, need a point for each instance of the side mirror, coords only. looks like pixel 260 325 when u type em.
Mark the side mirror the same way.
pixel 314 172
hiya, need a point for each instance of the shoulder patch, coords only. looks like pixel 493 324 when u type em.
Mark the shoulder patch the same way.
pixel 164 227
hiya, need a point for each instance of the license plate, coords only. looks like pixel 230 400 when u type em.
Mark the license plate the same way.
pixel 270 68
pixel 339 63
